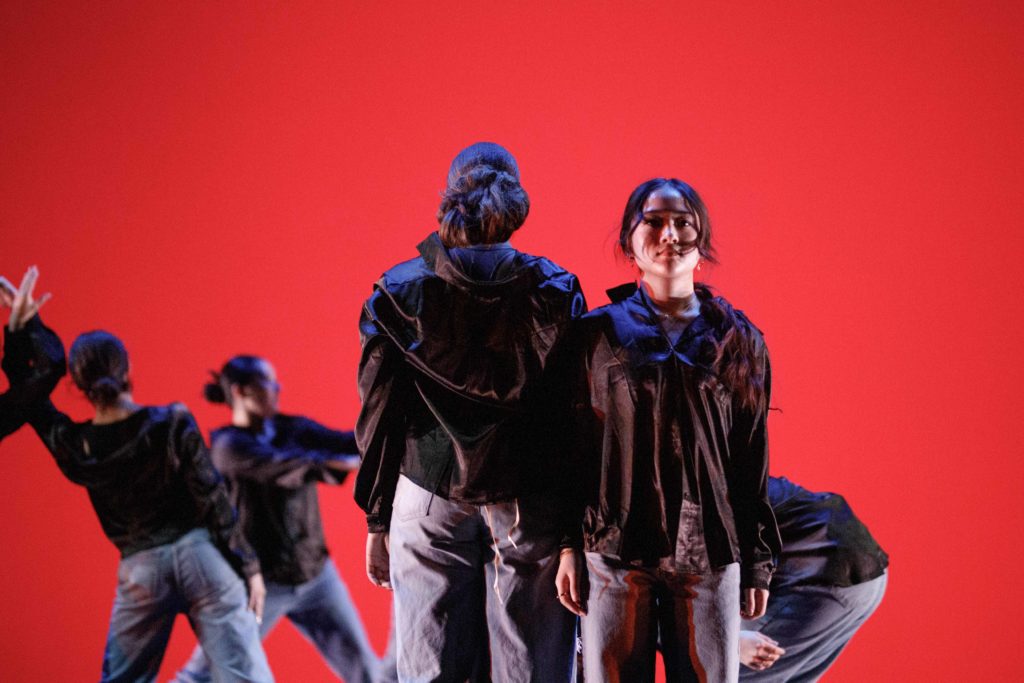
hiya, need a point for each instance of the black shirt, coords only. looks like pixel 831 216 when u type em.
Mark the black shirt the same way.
pixel 678 465
pixel 272 477
pixel 149 478
pixel 456 377
pixel 823 542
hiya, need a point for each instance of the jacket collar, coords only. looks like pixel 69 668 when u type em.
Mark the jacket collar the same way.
pixel 437 258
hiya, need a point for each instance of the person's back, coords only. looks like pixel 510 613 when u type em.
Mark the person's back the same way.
pixel 164 506
pixel 458 433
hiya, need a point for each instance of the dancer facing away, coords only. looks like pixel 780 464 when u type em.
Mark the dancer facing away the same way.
pixel 831 577
pixel 33 355
pixel 161 502
pixel 462 470
pixel 673 395
pixel 273 462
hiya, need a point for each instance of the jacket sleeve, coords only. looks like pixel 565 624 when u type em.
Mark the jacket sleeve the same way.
pixel 748 491
pixel 34 363
pixel 336 450
pixel 565 392
pixel 242 456
pixel 209 493
pixel 381 427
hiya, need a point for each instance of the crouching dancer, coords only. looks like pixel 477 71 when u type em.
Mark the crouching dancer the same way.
pixel 831 578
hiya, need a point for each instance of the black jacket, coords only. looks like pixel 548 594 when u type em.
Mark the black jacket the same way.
pixel 678 467
pixel 149 478
pixel 272 476
pixel 823 542
pixel 456 378
pixel 34 363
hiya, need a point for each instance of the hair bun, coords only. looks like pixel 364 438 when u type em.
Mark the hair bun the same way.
pixel 213 391
pixel 105 390
pixel 484 205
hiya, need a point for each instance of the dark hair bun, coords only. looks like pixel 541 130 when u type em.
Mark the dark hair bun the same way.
pixel 105 390
pixel 213 391
pixel 484 205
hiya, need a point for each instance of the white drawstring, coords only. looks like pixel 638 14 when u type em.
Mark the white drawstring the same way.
pixel 494 544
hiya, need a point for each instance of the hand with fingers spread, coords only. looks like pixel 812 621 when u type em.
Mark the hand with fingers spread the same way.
pixel 569 580
pixel 378 559
pixel 754 602
pixel 758 651
pixel 21 301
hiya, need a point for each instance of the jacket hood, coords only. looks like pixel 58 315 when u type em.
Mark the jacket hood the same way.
pixel 486 341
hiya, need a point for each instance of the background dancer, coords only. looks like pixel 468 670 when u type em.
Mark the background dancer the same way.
pixel 462 475
pixel 673 404
pixel 161 502
pixel 273 462
pixel 831 577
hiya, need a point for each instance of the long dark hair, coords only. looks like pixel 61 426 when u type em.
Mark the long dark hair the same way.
pixel 483 203
pixel 736 358
pixel 243 370
pixel 99 367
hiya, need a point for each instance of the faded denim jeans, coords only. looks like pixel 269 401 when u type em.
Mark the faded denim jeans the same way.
pixel 813 624
pixel 323 612
pixel 697 618
pixel 187 576
pixel 473 578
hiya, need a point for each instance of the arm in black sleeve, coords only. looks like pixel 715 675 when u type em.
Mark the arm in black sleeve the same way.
pixel 241 455
pixel 564 392
pixel 380 429
pixel 337 449
pixel 208 492
pixel 34 363
pixel 748 490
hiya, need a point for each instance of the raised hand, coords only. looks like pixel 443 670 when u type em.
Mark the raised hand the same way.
pixel 22 302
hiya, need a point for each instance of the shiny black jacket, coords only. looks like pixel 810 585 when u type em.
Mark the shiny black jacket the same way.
pixel 457 379
pixel 272 476
pixel 678 467
pixel 34 363
pixel 149 478
pixel 823 542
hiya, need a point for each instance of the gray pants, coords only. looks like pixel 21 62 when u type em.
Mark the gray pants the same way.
pixel 813 624
pixel 471 577
pixel 323 612
pixel 696 617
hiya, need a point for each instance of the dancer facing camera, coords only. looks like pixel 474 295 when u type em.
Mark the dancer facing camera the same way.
pixel 272 463
pixel 673 397
pixel 463 469
pixel 161 502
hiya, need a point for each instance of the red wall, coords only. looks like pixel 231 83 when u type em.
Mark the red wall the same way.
pixel 211 178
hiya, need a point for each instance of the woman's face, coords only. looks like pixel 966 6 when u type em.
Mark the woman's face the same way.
pixel 663 244
pixel 259 399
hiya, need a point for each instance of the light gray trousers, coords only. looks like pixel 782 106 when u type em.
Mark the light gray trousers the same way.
pixel 468 578
pixel 813 624
pixel 697 618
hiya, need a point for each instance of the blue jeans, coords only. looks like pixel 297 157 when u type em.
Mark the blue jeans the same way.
pixel 813 624
pixel 696 617
pixel 324 614
pixel 468 577
pixel 190 576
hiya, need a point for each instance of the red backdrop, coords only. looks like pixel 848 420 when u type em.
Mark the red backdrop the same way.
pixel 205 179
